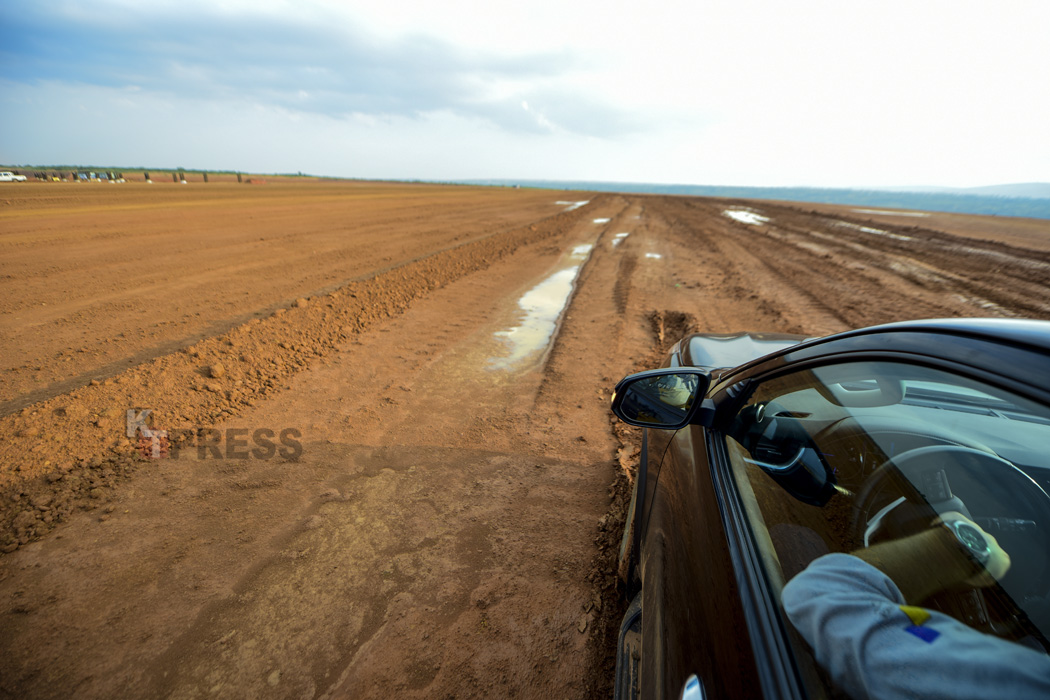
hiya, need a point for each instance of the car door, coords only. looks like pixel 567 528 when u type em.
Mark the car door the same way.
pixel 692 621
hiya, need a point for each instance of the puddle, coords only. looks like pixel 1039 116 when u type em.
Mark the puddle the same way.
pixel 573 205
pixel 746 217
pixel 602 221
pixel 654 256
pixel 618 238
pixel 541 307
pixel 876 231
pixel 887 212
pixel 986 305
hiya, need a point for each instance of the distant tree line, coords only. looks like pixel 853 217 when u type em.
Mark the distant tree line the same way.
pixel 140 169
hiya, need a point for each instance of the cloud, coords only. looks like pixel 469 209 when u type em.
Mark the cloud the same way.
pixel 310 60
pixel 90 125
pixel 714 92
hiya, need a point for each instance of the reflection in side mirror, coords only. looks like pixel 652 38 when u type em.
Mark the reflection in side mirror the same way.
pixel 660 398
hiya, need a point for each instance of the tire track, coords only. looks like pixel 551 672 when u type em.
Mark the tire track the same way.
pixel 772 282
pixel 953 276
pixel 622 287
pixel 861 278
pixel 58 449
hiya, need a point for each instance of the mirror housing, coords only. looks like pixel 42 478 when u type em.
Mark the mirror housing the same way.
pixel 665 399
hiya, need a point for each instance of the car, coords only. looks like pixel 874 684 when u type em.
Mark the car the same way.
pixel 8 176
pixel 762 452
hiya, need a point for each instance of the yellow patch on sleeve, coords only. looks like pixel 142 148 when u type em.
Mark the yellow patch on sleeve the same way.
pixel 917 615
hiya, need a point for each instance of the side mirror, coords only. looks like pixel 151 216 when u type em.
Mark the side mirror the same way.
pixel 666 399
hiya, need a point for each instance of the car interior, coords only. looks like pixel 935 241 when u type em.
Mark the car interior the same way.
pixel 843 456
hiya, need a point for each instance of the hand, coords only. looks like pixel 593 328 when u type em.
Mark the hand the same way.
pixel 935 560
pixel 998 562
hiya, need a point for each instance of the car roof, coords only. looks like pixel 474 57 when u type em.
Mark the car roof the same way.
pixel 1015 351
pixel 1031 333
pixel 726 350
pixel 729 351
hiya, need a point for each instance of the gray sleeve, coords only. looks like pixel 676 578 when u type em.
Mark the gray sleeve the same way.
pixel 851 615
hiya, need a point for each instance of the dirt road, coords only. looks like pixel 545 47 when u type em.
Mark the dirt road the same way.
pixel 440 519
pixel 97 278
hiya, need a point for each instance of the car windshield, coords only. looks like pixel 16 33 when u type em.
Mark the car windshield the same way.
pixel 843 457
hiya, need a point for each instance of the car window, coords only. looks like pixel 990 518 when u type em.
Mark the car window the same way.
pixel 842 457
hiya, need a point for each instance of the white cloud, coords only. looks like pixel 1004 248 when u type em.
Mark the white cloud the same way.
pixel 716 92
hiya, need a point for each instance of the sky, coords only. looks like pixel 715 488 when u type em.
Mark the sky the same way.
pixel 823 93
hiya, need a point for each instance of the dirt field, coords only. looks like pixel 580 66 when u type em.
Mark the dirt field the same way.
pixel 390 468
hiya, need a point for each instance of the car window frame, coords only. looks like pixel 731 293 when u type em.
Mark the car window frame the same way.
pixel 780 675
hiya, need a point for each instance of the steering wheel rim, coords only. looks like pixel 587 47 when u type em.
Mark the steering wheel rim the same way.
pixel 912 468
pixel 896 465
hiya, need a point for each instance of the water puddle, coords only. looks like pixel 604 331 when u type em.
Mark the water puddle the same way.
pixel 573 205
pixel 618 239
pixel 876 231
pixel 889 212
pixel 540 307
pixel 746 217
pixel 986 305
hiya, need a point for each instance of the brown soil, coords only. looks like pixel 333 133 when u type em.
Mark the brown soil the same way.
pixel 440 521
pixel 1023 233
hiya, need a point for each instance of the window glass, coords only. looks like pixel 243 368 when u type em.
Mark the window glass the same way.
pixel 844 457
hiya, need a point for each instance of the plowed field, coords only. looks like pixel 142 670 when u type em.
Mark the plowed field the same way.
pixel 389 469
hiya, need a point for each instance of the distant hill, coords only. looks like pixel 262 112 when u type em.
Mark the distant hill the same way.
pixel 995 200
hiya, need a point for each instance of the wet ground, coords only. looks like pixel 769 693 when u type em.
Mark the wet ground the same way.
pixel 405 482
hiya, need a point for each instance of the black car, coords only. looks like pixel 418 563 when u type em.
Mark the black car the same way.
pixel 764 452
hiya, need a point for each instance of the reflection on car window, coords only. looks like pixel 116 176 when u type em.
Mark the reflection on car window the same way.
pixel 843 457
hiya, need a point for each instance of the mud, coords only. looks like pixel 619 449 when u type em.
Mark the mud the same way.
pixel 443 515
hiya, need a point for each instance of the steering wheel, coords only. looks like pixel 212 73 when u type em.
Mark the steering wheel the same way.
pixel 896 500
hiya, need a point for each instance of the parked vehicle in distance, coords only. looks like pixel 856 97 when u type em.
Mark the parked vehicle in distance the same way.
pixel 8 176
pixel 763 452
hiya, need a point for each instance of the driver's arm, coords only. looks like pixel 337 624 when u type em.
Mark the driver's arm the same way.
pixel 874 645
pixel 934 561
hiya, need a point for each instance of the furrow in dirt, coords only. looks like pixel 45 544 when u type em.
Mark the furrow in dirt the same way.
pixel 91 277
pixel 872 277
pixel 407 551
pixel 996 280
pixel 81 435
pixel 969 270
